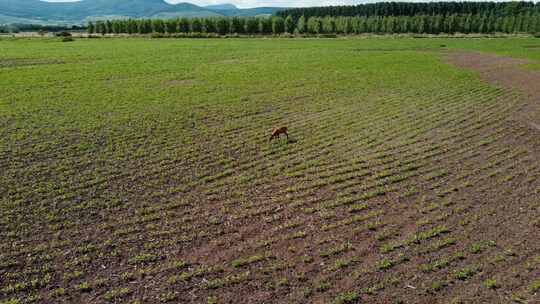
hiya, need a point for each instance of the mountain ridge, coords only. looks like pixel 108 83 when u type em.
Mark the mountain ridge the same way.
pixel 223 6
pixel 42 12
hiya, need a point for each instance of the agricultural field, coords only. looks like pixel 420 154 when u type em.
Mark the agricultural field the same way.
pixel 139 170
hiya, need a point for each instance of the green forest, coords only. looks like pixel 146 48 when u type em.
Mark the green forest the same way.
pixel 526 22
pixel 378 18
pixel 416 8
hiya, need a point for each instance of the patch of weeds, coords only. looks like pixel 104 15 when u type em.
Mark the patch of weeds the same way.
pixel 275 267
pixel 410 192
pixel 337 250
pixel 415 238
pixel 532 265
pixel 228 280
pixel 116 294
pixel 177 265
pixel 58 292
pixel 284 282
pixel 437 286
pixel 373 289
pixel 73 275
pixel 341 263
pixel 85 249
pixel 83 287
pixel 372 226
pixel 426 267
pixel 212 300
pixel 168 297
pixel 385 234
pixel 385 264
pixel 214 220
pixel 17 287
pixel 510 253
pixel 35 298
pixel 327 214
pixel 476 248
pixel 346 298
pixel 306 259
pixel 429 208
pixel 100 282
pixel 498 258
pixel 173 279
pixel 127 276
pixel 374 193
pixel 184 276
pixel 246 261
pixel 517 298
pixel 441 244
pixel 491 284
pixel 466 273
pixel 301 276
pixel 479 247
pixel 534 286
pixel 297 235
pixel 358 207
pixel 322 286
pixel 442 263
pixel 426 235
pixel 144 258
pixel 424 222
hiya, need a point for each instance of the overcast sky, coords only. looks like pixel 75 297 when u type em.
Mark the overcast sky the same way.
pixel 257 3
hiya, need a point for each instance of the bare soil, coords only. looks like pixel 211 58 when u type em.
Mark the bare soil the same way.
pixel 508 73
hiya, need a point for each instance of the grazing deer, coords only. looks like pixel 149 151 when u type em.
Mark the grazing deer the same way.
pixel 278 131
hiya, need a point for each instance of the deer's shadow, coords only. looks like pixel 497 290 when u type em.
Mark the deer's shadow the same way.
pixel 284 141
pixel 292 140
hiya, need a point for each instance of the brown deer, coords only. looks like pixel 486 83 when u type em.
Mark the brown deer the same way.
pixel 277 133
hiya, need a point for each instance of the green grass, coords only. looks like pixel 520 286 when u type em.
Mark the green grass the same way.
pixel 491 284
pixel 346 298
pixel 534 286
pixel 135 162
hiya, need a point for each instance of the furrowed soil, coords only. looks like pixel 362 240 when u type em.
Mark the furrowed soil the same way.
pixel 140 171
pixel 506 72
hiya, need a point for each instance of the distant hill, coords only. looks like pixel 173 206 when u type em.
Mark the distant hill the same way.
pixel 40 12
pixel 222 7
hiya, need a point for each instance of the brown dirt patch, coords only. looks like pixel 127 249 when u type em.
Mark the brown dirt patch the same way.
pixel 507 73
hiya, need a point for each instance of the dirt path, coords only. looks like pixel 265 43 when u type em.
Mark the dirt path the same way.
pixel 506 72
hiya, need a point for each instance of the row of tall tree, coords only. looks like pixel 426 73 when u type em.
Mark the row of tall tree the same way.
pixel 23 27
pixel 414 8
pixel 221 25
pixel 428 24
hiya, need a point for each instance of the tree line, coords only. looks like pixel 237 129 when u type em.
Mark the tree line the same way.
pixel 22 27
pixel 217 25
pixel 414 8
pixel 419 24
